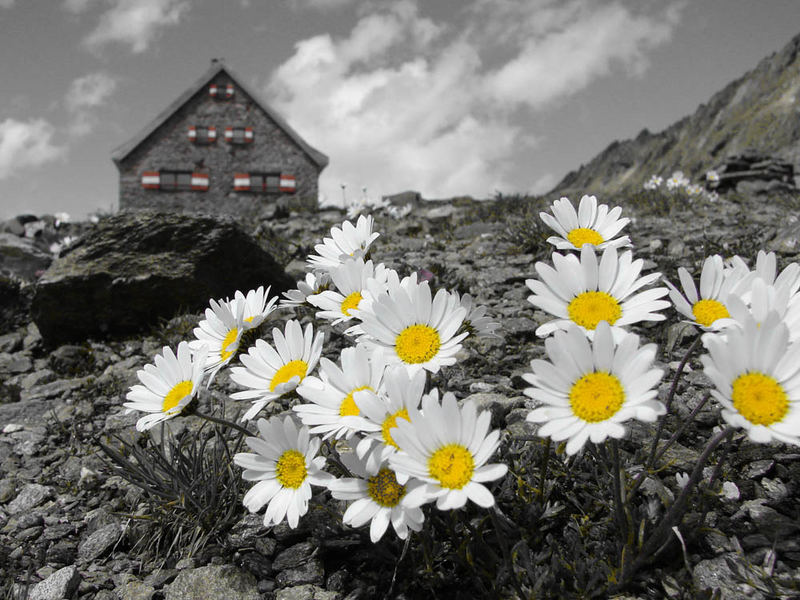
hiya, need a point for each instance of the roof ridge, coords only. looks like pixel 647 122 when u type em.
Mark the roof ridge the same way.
pixel 217 66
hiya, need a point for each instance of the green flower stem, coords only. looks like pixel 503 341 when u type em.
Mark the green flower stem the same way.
pixel 621 511
pixel 670 395
pixel 223 422
pixel 502 540
pixel 675 514
pixel 543 469
pixel 643 474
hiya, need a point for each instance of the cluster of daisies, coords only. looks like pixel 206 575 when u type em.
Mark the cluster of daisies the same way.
pixel 400 446
pixel 678 182
pixel 597 375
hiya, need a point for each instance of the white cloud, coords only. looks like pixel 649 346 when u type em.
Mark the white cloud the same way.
pixel 404 102
pixel 90 91
pixel 6 3
pixel 84 96
pixel 135 22
pixel 26 144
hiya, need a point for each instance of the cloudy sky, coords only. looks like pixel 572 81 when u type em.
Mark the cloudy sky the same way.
pixel 448 97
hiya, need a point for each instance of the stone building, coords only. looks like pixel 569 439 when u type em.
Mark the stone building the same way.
pixel 218 148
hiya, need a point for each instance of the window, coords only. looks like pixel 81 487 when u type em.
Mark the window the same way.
pixel 239 135
pixel 175 181
pixel 201 134
pixel 270 183
pixel 220 92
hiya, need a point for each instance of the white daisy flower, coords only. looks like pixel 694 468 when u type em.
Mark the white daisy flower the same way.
pixel 588 389
pixel 708 309
pixel 446 447
pixel 653 183
pixel 167 386
pixel 380 412
pixel 272 372
pixel 313 283
pixel 285 465
pixel 767 270
pixel 413 329
pixel 592 224
pixel 257 306
pixel 377 498
pixel 677 180
pixel 476 321
pixel 347 241
pixel 332 394
pixel 584 292
pixel 350 279
pixel 757 378
pixel 221 331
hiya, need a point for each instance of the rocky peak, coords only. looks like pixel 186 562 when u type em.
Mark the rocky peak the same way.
pixel 757 113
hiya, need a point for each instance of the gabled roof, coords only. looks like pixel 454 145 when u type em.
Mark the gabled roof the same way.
pixel 120 153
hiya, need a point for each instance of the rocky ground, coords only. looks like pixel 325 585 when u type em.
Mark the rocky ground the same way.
pixel 72 527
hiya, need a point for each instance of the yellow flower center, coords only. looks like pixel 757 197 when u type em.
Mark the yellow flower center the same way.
pixel 350 302
pixel 384 489
pixel 229 340
pixel 596 396
pixel 348 407
pixel 759 398
pixel 391 421
pixel 417 344
pixel 583 235
pixel 707 311
pixel 178 392
pixel 294 368
pixel 250 319
pixel 452 465
pixel 290 470
pixel 589 308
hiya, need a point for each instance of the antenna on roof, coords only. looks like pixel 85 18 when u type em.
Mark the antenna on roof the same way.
pixel 219 60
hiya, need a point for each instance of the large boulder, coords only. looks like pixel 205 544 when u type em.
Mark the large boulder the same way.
pixel 136 268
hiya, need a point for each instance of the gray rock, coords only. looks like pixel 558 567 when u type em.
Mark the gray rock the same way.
pixel 29 441
pixel 311 571
pixel 60 584
pixel 18 362
pixel 99 542
pixel 293 556
pixel 134 590
pixel 715 574
pixel 71 360
pixel 306 592
pixel 30 496
pixel 218 582
pixel 136 268
pixel 21 258
pixel 499 405
pixel 53 389
pixel 297 565
pixel 11 342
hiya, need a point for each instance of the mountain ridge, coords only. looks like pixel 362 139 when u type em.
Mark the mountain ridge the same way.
pixel 758 112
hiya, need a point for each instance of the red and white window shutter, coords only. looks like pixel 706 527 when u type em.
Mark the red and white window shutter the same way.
pixel 218 91
pixel 151 180
pixel 241 182
pixel 200 182
pixel 210 133
pixel 240 135
pixel 287 183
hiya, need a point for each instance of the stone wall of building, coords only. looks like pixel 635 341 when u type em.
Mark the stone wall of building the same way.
pixel 169 147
